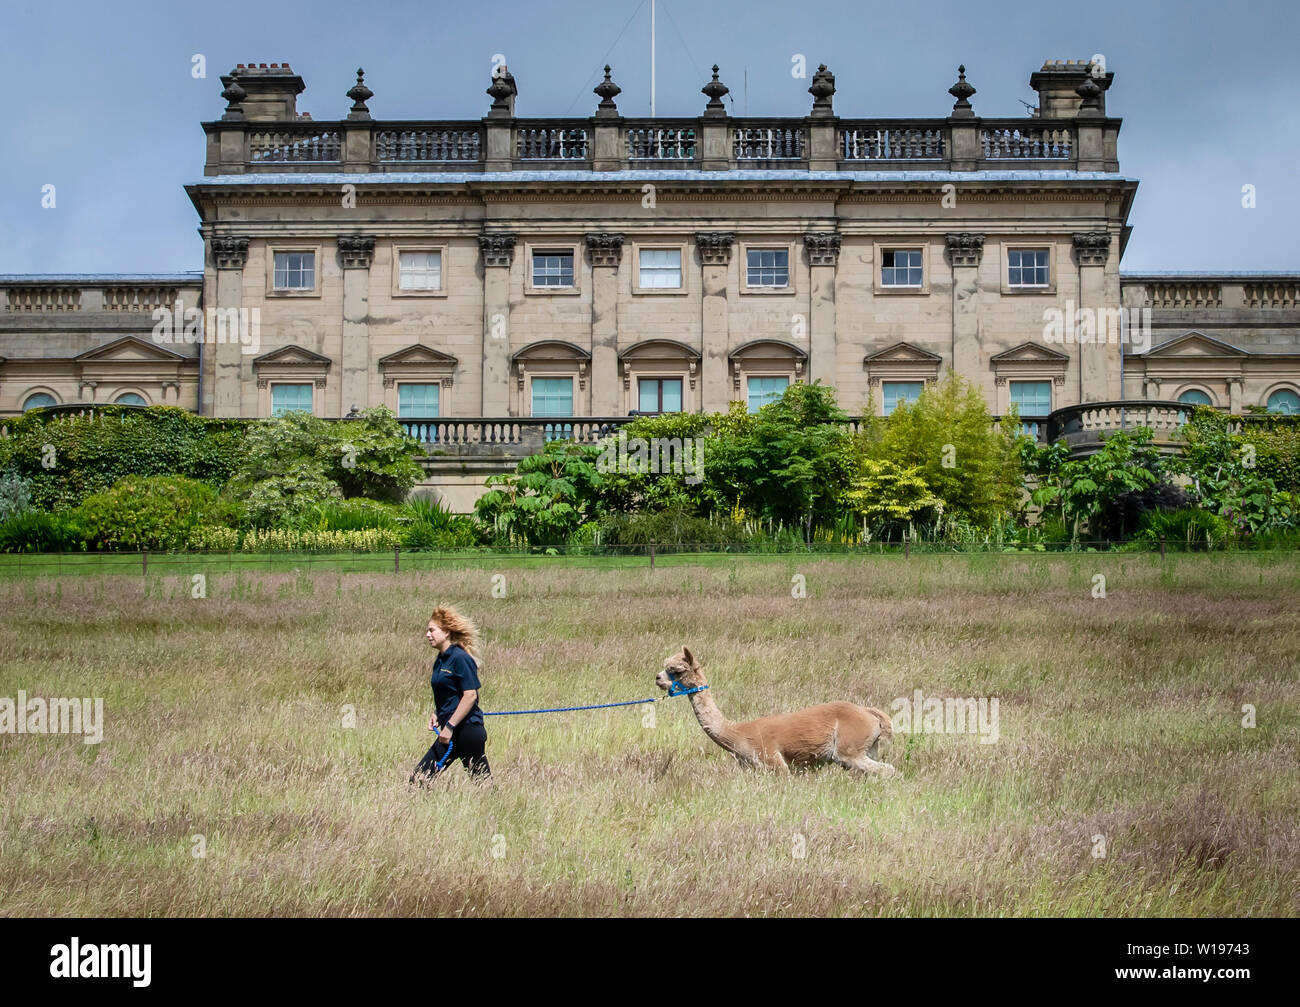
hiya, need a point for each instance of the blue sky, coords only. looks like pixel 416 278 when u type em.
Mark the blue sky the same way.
pixel 101 102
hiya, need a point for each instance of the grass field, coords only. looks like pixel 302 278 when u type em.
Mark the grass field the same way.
pixel 1122 782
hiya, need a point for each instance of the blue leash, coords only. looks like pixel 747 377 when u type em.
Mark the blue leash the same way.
pixel 673 690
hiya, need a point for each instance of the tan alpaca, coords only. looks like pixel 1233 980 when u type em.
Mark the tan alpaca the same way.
pixel 843 733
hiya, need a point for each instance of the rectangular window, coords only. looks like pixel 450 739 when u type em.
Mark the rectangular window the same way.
pixel 420 271
pixel 554 397
pixel 659 395
pixel 1027 267
pixel 285 398
pixel 768 267
pixel 417 400
pixel 660 268
pixel 552 269
pixel 898 392
pixel 900 267
pixel 295 270
pixel 765 390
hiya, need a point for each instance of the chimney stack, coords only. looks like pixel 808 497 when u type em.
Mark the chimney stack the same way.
pixel 271 92
pixel 1057 85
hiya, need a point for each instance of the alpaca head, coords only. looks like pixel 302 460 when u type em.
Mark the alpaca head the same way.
pixel 682 667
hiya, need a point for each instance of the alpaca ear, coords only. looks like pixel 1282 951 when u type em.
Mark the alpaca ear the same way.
pixel 686 653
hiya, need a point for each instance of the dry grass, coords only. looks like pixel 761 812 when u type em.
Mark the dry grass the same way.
pixel 1118 717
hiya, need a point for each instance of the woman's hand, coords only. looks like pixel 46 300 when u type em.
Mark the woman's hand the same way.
pixel 433 720
pixel 445 734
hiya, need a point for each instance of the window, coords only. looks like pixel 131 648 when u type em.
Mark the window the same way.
pixel 295 270
pixel 1195 397
pixel 130 399
pixel 898 392
pixel 659 395
pixel 1284 401
pixel 660 267
pixel 768 267
pixel 285 398
pixel 420 271
pixel 38 401
pixel 554 397
pixel 1027 267
pixel 419 401
pixel 1033 400
pixel 765 390
pixel 900 267
pixel 552 269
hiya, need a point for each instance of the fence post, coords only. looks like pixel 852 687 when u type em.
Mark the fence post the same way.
pixel 144 562
pixel 907 548
pixel 397 558
pixel 652 555
pixel 1162 547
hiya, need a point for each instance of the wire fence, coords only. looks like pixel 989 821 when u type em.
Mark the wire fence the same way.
pixel 146 563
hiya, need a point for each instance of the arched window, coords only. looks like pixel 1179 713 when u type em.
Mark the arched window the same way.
pixel 130 399
pixel 1284 401
pixel 1195 397
pixel 38 401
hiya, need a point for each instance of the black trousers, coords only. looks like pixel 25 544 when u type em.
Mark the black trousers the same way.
pixel 468 744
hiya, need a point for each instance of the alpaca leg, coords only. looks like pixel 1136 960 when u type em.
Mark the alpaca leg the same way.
pixel 866 764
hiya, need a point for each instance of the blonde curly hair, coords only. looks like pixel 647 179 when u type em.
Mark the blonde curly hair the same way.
pixel 459 627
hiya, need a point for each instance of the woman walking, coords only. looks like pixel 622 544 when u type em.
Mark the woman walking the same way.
pixel 456 715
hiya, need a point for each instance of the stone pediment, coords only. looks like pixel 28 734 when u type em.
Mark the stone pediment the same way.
pixel 902 353
pixel 1030 353
pixel 291 356
pixel 129 349
pixel 1194 344
pixel 767 348
pixel 418 353
pixel 660 348
pixel 551 349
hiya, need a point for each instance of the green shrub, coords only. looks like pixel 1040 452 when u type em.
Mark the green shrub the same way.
pixel 1190 527
pixel 157 512
pixel 289 540
pixel 429 524
pixel 350 515
pixel 15 495
pixel 212 538
pixel 37 531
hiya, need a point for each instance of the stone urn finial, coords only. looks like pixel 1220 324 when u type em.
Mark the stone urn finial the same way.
pixel 822 87
pixel 503 91
pixel 607 90
pixel 715 89
pixel 234 95
pixel 360 94
pixel 1090 92
pixel 962 92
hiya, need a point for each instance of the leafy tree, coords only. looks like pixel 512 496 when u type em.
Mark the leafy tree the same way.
pixel 153 512
pixel 888 496
pixel 15 495
pixel 373 456
pixel 948 435
pixel 1083 488
pixel 545 499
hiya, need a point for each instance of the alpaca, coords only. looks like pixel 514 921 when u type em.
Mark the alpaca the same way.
pixel 843 733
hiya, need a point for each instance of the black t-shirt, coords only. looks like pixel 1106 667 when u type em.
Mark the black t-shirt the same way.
pixel 454 671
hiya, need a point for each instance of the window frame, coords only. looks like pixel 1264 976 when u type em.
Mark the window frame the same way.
pixel 769 376
pixel 271 386
pixel 286 248
pixel 553 248
pixel 1195 388
pixel 897 381
pixel 656 246
pixel 681 391
pixel 878 265
pixel 420 382
pixel 1006 247
pixel 1051 397
pixel 123 392
pixel 31 394
pixel 766 289
pixel 398 247
pixel 1277 390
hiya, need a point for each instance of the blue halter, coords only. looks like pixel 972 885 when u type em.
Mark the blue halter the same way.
pixel 676 688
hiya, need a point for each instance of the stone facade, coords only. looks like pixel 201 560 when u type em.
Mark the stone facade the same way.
pixel 473 261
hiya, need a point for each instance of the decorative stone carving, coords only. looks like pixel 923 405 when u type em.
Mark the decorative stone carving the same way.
pixel 962 92
pixel 627 375
pixel 1000 380
pixel 1090 92
pixel 823 247
pixel 582 374
pixel 715 89
pixel 389 381
pixel 607 90
pixel 503 91
pixel 234 95
pixel 356 251
pixel 230 251
pixel 605 249
pixel 446 380
pixel 498 248
pixel 1059 380
pixel 822 88
pixel 965 248
pixel 320 382
pixel 714 246
pixel 1092 248
pixel 261 382
pixel 359 94
pixel 693 367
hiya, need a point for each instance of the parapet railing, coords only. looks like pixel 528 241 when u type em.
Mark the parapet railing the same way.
pixel 719 143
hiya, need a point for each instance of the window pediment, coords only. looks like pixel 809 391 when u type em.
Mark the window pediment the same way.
pixel 1195 344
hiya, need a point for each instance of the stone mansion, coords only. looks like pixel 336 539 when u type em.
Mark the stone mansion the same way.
pixel 473 275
